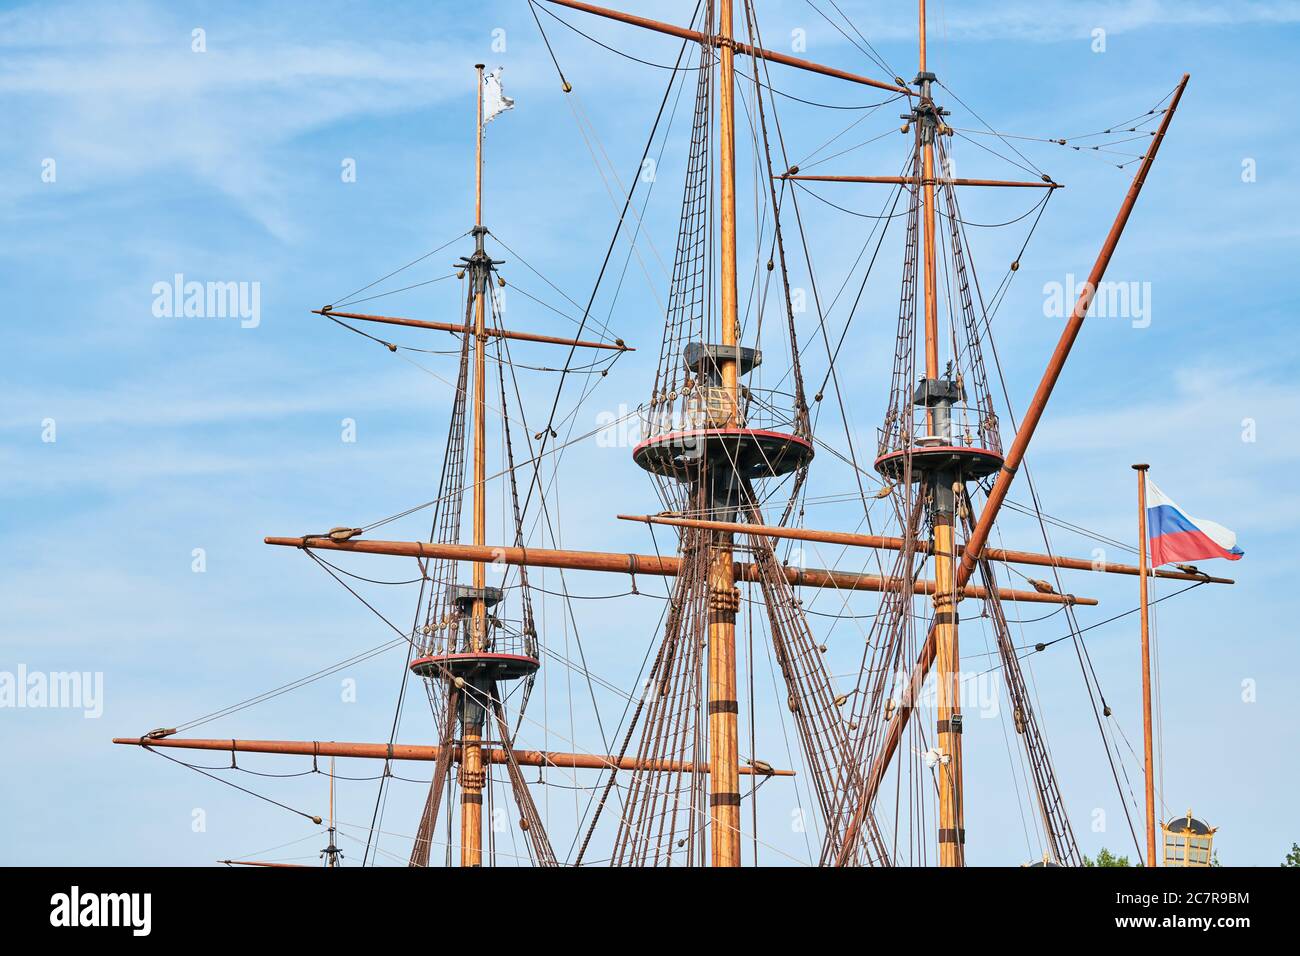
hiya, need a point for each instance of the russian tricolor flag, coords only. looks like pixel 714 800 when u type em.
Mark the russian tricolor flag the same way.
pixel 1176 536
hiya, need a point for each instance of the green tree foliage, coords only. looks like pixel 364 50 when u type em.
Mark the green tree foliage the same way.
pixel 1106 858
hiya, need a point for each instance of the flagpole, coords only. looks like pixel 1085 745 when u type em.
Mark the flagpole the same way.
pixel 1146 664
pixel 333 853
pixel 478 151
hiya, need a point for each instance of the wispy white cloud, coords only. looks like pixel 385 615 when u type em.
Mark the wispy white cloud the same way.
pixel 119 94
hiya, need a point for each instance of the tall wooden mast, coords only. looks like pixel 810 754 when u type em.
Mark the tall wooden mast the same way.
pixel 942 486
pixel 724 598
pixel 472 777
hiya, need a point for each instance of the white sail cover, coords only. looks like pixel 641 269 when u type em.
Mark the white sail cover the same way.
pixel 495 100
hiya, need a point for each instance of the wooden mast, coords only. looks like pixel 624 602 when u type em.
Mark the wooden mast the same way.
pixel 472 777
pixel 1146 666
pixel 724 597
pixel 952 834
pixel 926 133
pixel 478 149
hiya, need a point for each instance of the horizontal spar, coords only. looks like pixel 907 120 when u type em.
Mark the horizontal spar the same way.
pixel 525 758
pixel 287 866
pixel 886 543
pixel 617 345
pixel 910 180
pixel 643 564
pixel 742 48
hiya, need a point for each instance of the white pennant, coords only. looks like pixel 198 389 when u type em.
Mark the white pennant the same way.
pixel 495 100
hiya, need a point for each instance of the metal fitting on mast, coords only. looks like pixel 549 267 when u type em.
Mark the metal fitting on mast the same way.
pixel 927 116
pixel 480 265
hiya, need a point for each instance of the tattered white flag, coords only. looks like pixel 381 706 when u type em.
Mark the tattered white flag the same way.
pixel 494 98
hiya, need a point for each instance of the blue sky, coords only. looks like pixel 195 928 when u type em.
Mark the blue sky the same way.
pixel 180 433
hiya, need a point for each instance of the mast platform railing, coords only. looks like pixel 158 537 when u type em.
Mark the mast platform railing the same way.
pixel 708 406
pixel 967 427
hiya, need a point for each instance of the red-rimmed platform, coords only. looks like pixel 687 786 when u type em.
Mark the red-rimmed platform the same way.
pixel 467 664
pixel 963 460
pixel 755 453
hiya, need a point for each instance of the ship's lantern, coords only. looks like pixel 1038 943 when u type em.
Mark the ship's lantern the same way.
pixel 1188 841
